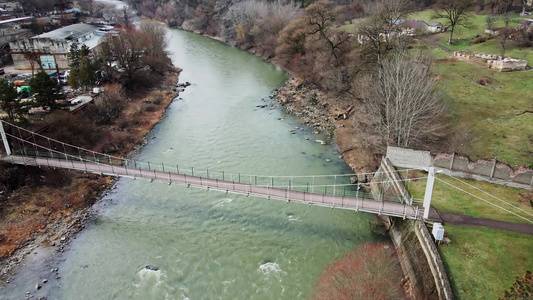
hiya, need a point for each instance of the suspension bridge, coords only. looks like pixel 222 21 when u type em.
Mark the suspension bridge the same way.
pixel 24 147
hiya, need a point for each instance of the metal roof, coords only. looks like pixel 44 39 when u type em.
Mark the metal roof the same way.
pixel 15 20
pixel 70 32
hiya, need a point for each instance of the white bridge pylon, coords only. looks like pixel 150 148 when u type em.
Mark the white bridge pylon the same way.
pixel 338 193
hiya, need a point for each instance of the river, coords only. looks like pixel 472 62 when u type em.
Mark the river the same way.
pixel 159 241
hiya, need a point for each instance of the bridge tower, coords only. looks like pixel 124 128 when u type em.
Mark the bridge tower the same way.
pixel 429 191
pixel 4 138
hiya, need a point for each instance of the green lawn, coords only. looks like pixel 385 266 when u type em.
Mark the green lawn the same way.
pixel 485 119
pixel 447 198
pixel 463 37
pixel 481 263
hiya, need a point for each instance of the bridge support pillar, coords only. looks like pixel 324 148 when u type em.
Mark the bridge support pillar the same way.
pixel 4 138
pixel 429 191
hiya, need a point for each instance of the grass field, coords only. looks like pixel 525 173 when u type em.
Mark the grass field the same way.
pixel 482 263
pixel 463 37
pixel 447 198
pixel 485 112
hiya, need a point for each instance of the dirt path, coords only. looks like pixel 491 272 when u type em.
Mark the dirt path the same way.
pixel 433 40
pixel 460 219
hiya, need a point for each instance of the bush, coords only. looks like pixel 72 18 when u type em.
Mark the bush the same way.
pixel 479 40
pixel 371 271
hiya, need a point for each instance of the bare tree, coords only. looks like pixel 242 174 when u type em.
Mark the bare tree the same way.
pixel 370 271
pixel 490 20
pixel 403 98
pixel 493 4
pixel 135 56
pixel 319 17
pixel 504 37
pixel 380 33
pixel 456 12
pixel 389 12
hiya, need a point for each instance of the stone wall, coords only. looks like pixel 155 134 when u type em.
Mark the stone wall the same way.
pixel 502 64
pixel 488 169
pixel 420 259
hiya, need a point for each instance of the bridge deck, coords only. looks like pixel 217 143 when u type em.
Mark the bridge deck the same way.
pixel 357 204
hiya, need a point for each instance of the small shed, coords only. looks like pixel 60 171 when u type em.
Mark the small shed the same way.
pixel 435 27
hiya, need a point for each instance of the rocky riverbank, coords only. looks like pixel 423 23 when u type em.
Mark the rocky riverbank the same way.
pixel 341 119
pixel 46 207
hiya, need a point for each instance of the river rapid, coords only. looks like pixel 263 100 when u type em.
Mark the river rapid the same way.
pixel 159 241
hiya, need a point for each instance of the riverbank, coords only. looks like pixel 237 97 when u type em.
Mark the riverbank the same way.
pixel 343 122
pixel 51 206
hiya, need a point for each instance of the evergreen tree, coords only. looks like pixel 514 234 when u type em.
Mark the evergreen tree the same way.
pixel 9 101
pixel 83 68
pixel 46 90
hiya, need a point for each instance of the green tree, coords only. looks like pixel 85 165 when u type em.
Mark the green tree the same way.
pixel 83 67
pixel 9 102
pixel 46 90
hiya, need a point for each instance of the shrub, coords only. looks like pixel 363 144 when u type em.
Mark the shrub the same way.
pixel 371 271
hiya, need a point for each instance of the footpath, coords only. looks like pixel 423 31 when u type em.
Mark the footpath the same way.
pixel 460 219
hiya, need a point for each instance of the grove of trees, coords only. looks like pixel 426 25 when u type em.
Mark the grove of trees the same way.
pixel 135 57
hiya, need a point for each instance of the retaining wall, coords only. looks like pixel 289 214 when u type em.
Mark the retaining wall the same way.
pixel 490 169
pixel 419 257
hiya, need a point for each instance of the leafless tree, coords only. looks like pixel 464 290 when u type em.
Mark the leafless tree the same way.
pixel 389 12
pixel 493 4
pixel 404 99
pixel 135 56
pixel 380 33
pixel 490 20
pixel 456 12
pixel 504 37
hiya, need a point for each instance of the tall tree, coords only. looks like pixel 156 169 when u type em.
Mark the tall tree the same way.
pixel 9 101
pixel 46 90
pixel 404 99
pixel 456 12
pixel 379 33
pixel 83 67
pixel 504 37
pixel 135 56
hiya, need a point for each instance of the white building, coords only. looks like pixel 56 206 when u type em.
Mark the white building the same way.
pixel 55 46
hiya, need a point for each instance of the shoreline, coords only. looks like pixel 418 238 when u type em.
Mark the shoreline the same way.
pixel 55 235
pixel 359 151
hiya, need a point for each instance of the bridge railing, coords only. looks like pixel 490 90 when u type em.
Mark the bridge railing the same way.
pixel 29 144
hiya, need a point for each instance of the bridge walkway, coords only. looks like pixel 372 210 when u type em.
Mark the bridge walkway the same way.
pixel 334 201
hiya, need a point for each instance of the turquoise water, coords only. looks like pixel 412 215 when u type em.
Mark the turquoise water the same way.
pixel 160 241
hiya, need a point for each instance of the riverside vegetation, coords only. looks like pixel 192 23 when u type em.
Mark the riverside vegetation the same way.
pixel 336 71
pixel 48 206
pixel 336 50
